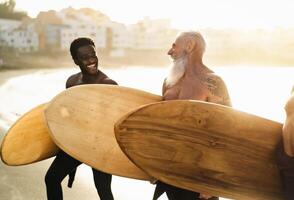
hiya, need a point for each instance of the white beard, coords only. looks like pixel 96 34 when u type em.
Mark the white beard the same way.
pixel 176 71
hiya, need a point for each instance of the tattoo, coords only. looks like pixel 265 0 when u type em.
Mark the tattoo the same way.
pixel 218 89
pixel 212 86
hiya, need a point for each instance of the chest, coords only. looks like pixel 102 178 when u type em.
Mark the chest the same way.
pixel 96 80
pixel 186 90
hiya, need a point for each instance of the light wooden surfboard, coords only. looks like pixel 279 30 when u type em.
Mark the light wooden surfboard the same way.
pixel 28 141
pixel 204 147
pixel 81 121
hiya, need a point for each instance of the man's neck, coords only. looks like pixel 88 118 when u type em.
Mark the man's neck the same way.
pixel 195 66
pixel 90 77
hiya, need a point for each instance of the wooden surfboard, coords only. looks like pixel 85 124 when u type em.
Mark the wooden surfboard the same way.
pixel 28 141
pixel 204 147
pixel 81 121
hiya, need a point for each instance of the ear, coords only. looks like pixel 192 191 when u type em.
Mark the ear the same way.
pixel 190 46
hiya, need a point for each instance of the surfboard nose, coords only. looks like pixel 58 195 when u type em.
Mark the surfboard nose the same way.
pixel 28 141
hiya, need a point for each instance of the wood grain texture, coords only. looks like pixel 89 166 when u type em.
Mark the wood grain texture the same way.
pixel 81 121
pixel 28 141
pixel 204 147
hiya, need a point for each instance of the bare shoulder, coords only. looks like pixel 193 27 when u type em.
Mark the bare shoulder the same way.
pixel 109 81
pixel 106 80
pixel 214 83
pixel 73 80
pixel 218 92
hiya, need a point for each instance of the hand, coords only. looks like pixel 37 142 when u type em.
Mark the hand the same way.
pixel 288 135
pixel 204 196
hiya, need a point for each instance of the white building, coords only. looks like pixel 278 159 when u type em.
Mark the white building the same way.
pixel 59 30
pixel 121 36
pixel 81 25
pixel 153 34
pixel 24 39
pixel 96 33
pixel 8 24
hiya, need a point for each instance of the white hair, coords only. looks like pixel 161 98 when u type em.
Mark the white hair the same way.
pixel 176 71
pixel 197 37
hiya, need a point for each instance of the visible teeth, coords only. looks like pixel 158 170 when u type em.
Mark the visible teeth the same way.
pixel 90 66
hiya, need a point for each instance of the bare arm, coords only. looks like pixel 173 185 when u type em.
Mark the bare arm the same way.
pixel 288 127
pixel 218 92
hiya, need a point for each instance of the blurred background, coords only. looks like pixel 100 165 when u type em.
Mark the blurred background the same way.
pixel 249 43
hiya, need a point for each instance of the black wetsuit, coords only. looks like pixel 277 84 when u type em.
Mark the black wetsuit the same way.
pixel 64 165
pixel 286 167
pixel 175 193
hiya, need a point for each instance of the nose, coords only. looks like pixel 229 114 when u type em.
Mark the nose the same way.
pixel 170 52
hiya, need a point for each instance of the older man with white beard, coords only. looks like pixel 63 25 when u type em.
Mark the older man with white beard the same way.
pixel 190 79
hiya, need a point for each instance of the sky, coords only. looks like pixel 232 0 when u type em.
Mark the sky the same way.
pixel 186 14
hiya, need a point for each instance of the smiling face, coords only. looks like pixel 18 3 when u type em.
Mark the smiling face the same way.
pixel 87 59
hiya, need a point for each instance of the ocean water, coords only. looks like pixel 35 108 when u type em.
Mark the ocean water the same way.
pixel 262 91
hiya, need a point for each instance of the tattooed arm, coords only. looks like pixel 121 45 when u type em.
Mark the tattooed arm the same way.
pixel 218 92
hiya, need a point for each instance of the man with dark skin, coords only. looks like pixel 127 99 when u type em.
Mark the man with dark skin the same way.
pixel 190 79
pixel 84 55
pixel 286 151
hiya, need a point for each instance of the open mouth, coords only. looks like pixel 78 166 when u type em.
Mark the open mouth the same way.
pixel 92 66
